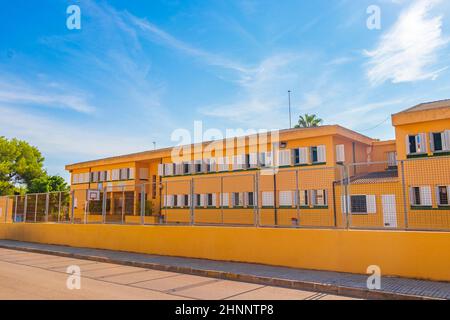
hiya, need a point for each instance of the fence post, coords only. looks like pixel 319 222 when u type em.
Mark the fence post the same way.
pixel 105 195
pixel 221 199
pixel 346 180
pixel 15 209
pixel 255 206
pixel 59 206
pixel 25 209
pixel 192 202
pixel 72 209
pixel 47 198
pixel 405 207
pixel 36 207
pixel 6 209
pixel 143 204
pixel 297 196
pixel 123 204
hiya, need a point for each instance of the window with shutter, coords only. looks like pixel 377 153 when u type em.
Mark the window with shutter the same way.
pixel 416 144
pixel 286 199
pixel 442 195
pixel 267 198
pixel 250 199
pixel 371 204
pixel 304 198
pixel 284 158
pixel 358 204
pixel 319 197
pixel 253 160
pixel 314 155
pixel 321 154
pixel 224 200
pixel 340 153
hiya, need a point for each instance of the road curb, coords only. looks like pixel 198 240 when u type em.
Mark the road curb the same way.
pixel 353 292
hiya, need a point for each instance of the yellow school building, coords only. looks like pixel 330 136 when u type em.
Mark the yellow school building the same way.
pixel 326 176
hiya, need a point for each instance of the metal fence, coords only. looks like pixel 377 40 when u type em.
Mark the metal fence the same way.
pixel 408 195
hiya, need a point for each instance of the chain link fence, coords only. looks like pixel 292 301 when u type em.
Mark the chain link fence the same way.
pixel 412 195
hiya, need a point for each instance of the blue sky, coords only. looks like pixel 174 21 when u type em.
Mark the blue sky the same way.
pixel 138 70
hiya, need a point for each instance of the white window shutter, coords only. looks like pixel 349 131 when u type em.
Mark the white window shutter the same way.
pixel 86 177
pixel 267 199
pixel 224 200
pixel 446 140
pixel 411 196
pixel 253 160
pixel 189 200
pixel 425 195
pixel 285 198
pixel 321 153
pixel 407 145
pixel 214 203
pixel 202 200
pixel 75 178
pixel 431 137
pixel 423 142
pixel 304 155
pixel 161 170
pixel 268 156
pixel 284 157
pixel 340 153
pixel 245 199
pixel 371 204
pixel 132 171
pixel 165 201
pixel 344 204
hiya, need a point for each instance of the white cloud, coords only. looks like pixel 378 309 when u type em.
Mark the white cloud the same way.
pixel 69 139
pixel 24 95
pixel 408 50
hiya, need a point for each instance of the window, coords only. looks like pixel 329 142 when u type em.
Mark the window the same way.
pixel 186 168
pixel 440 141
pixel 340 153
pixel 304 199
pixel 250 199
pixel 285 199
pixel 436 139
pixel 442 195
pixel 198 166
pixel 267 199
pixel 186 201
pixel 319 197
pixel 284 158
pixel 124 174
pixel 175 201
pixel 358 204
pixel 224 200
pixel 198 200
pixel 420 196
pixel 296 156
pixel 237 200
pixel 211 200
pixel 314 155
pixel 392 159
pixel 318 154
pixel 416 144
pixel 247 162
pixel 223 164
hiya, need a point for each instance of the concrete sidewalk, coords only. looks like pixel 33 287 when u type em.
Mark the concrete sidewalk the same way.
pixel 346 284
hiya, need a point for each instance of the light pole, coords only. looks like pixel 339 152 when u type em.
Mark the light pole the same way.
pixel 290 118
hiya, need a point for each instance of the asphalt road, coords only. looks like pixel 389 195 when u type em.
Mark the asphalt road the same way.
pixel 25 275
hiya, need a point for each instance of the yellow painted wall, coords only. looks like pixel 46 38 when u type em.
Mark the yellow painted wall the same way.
pixel 423 255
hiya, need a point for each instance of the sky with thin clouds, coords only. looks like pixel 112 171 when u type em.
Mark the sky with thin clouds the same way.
pixel 138 70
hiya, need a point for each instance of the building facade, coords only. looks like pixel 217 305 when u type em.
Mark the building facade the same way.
pixel 327 176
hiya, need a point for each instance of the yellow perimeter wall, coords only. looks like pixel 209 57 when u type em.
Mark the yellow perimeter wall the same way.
pixel 423 255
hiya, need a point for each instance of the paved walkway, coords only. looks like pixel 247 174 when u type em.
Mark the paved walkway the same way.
pixel 318 281
pixel 35 276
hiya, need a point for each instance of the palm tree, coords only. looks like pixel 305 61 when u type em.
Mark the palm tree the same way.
pixel 308 121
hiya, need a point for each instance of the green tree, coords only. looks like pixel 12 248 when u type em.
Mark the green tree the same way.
pixel 308 121
pixel 47 183
pixel 22 169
